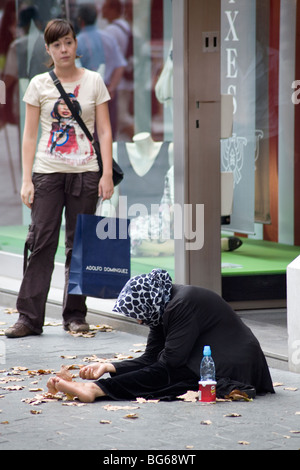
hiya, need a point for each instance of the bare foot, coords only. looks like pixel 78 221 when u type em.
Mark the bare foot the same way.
pixel 51 386
pixel 85 392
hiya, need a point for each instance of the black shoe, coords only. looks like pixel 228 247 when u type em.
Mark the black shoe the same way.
pixel 18 331
pixel 77 327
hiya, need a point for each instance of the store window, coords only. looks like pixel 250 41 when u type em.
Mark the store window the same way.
pixel 259 63
pixel 259 67
pixel 136 65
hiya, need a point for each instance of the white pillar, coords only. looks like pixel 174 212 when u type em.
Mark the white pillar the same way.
pixel 293 314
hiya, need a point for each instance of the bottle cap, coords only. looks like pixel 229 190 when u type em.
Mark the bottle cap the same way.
pixel 206 351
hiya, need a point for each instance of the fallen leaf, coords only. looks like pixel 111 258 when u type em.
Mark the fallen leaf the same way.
pixel 92 332
pixel 117 407
pixel 68 357
pixel 189 396
pixel 143 400
pixel 207 422
pixel 295 432
pixel 40 372
pixel 104 421
pixel 131 416
pixel 65 374
pixel 120 357
pixel 74 366
pixel 236 395
pixel 5 380
pixel 45 398
pixel 292 389
pixel 13 387
pixel 88 334
pixel 73 403
pixel 36 389
pixel 232 415
pixel 93 358
pixel 35 412
pixel 9 311
pixel 244 443
pixel 4 422
pixel 107 328
pixel 277 384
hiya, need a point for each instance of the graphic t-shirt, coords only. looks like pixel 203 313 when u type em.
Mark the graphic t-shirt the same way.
pixel 63 146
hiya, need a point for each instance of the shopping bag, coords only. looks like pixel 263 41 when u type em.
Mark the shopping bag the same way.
pixel 100 264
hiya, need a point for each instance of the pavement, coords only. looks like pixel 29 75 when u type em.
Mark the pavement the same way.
pixel 166 432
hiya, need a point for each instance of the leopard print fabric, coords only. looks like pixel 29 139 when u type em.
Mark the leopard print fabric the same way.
pixel 145 297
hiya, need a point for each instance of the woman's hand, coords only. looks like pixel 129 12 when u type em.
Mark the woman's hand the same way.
pixel 27 193
pixel 96 370
pixel 106 187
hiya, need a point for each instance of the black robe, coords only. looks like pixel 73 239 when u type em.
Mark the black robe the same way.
pixel 170 365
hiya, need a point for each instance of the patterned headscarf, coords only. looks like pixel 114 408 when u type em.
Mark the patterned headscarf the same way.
pixel 145 297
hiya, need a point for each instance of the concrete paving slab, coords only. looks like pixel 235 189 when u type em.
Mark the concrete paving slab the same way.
pixel 271 422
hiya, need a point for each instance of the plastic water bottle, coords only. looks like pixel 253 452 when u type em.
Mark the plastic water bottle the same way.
pixel 207 366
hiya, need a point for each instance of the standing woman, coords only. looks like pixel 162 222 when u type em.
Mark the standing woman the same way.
pixel 62 174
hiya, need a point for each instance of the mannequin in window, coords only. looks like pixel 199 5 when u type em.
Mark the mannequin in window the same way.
pixel 146 165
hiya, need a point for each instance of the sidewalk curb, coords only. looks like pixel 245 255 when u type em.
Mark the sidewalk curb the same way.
pixel 53 310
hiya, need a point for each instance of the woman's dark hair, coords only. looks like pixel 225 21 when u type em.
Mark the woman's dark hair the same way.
pixel 56 29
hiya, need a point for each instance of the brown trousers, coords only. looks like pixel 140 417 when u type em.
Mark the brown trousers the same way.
pixel 76 193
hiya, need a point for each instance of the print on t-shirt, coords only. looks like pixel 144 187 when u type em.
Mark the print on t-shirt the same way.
pixel 67 141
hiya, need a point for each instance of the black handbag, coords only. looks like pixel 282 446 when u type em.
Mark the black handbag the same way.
pixel 117 171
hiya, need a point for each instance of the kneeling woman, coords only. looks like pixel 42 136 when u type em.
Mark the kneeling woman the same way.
pixel 182 320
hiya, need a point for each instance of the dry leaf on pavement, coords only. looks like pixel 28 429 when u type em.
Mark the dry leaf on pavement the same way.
pixel 236 395
pixel 9 311
pixel 65 374
pixel 35 412
pixel 189 396
pixel 131 416
pixel 117 407
pixel 143 400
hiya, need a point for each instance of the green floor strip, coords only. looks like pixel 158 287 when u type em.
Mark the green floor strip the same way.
pixel 254 257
